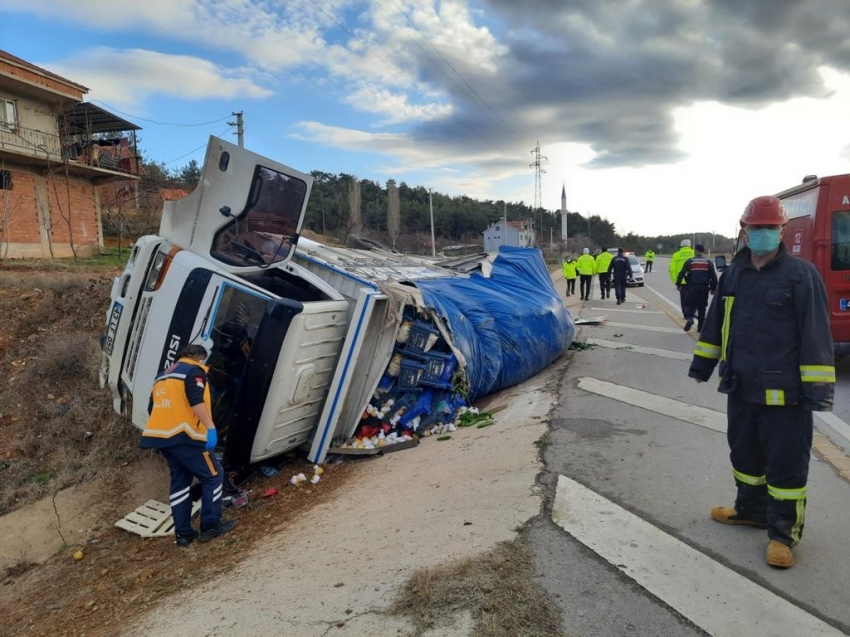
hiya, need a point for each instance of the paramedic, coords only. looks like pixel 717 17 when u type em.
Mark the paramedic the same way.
pixel 569 269
pixel 650 257
pixel 621 271
pixel 586 266
pixel 603 260
pixel 768 327
pixel 181 428
pixel 696 279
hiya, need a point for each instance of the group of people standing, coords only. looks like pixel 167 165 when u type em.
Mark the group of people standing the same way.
pixel 610 269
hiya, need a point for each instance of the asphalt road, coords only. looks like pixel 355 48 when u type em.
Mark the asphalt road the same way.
pixel 635 459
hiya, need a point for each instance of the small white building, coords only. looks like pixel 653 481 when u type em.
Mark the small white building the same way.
pixel 517 233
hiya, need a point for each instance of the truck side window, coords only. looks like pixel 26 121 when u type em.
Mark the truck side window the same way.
pixel 263 232
pixel 841 240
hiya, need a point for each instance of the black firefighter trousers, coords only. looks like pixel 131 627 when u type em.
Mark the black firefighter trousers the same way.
pixel 770 448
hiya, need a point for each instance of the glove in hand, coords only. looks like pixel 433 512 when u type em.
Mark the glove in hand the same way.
pixel 212 439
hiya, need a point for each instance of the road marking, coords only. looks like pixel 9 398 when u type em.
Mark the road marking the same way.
pixel 647 328
pixel 664 353
pixel 611 309
pixel 841 427
pixel 715 598
pixel 675 306
pixel 708 418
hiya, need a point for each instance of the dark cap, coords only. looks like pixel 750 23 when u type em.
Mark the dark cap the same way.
pixel 700 248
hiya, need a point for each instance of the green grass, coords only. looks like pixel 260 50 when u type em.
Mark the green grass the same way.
pixel 108 260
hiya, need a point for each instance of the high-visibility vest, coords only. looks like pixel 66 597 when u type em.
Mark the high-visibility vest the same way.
pixel 172 420
pixel 586 265
pixel 569 269
pixel 678 260
pixel 603 260
pixel 650 255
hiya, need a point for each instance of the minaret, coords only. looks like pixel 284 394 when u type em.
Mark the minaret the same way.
pixel 563 213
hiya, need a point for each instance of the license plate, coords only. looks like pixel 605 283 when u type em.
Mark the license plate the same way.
pixel 114 319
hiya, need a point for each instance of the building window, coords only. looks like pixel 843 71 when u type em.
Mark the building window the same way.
pixel 5 180
pixel 8 115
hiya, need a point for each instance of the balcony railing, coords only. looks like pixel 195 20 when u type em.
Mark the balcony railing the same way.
pixel 114 154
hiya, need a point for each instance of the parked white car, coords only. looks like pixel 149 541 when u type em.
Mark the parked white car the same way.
pixel 637 272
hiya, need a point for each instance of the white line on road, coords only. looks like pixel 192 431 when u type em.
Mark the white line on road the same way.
pixel 647 328
pixel 840 427
pixel 611 309
pixel 715 598
pixel 664 353
pixel 675 306
pixel 701 416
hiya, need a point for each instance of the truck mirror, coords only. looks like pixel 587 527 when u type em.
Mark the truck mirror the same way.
pixel 720 262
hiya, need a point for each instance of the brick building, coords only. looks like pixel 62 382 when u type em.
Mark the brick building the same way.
pixel 56 151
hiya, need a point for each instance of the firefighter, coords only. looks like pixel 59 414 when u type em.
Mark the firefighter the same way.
pixel 695 281
pixel 182 429
pixel 569 270
pixel 586 266
pixel 678 259
pixel 650 257
pixel 620 270
pixel 768 327
pixel 603 260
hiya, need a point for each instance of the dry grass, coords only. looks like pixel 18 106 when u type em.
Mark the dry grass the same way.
pixel 57 427
pixel 496 589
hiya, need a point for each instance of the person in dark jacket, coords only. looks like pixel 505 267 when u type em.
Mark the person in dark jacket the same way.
pixel 620 269
pixel 768 328
pixel 696 279
pixel 182 429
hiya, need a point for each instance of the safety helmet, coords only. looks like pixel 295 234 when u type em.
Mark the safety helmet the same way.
pixel 685 243
pixel 764 211
pixel 585 251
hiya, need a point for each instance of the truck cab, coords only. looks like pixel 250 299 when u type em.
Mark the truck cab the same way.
pixel 220 273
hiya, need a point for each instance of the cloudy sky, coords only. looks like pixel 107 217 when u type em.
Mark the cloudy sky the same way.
pixel 663 116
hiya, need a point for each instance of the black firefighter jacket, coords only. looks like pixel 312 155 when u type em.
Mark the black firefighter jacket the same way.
pixel 769 331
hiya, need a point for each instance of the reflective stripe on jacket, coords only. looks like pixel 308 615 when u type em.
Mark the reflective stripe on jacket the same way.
pixel 698 270
pixel 769 331
pixel 172 420
pixel 586 265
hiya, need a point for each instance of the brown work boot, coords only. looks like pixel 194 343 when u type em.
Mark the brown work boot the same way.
pixel 779 555
pixel 728 515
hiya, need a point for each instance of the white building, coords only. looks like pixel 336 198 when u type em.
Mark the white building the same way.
pixel 517 233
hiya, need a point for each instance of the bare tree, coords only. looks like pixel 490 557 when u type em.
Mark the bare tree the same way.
pixel 393 212
pixel 10 207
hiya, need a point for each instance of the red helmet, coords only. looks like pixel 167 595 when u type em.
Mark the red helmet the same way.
pixel 764 211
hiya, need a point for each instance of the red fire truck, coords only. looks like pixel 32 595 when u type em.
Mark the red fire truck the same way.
pixel 818 231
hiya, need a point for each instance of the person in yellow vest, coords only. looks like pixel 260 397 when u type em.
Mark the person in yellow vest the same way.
pixel 586 267
pixel 570 274
pixel 182 429
pixel 650 257
pixel 677 262
pixel 603 260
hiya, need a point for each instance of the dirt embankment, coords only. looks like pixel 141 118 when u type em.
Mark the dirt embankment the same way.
pixel 70 467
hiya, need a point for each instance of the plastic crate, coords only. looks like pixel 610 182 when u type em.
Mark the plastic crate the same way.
pixel 417 342
pixel 439 367
pixel 410 375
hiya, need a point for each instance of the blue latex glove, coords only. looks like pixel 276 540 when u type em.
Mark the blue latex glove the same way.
pixel 212 439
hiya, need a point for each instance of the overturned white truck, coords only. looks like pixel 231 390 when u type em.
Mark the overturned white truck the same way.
pixel 302 338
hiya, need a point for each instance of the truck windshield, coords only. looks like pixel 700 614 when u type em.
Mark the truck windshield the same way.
pixel 264 232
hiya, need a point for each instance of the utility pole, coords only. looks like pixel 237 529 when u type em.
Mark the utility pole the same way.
pixel 551 240
pixel 505 226
pixel 431 207
pixel 537 165
pixel 240 128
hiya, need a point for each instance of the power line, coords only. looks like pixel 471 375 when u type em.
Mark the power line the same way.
pixel 501 122
pixel 198 148
pixel 153 121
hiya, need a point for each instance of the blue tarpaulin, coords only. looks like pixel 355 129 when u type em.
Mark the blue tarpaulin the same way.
pixel 509 326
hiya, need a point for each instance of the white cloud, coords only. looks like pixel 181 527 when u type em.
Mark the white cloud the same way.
pixel 128 77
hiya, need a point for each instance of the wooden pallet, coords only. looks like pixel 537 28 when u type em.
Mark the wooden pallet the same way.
pixel 152 519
